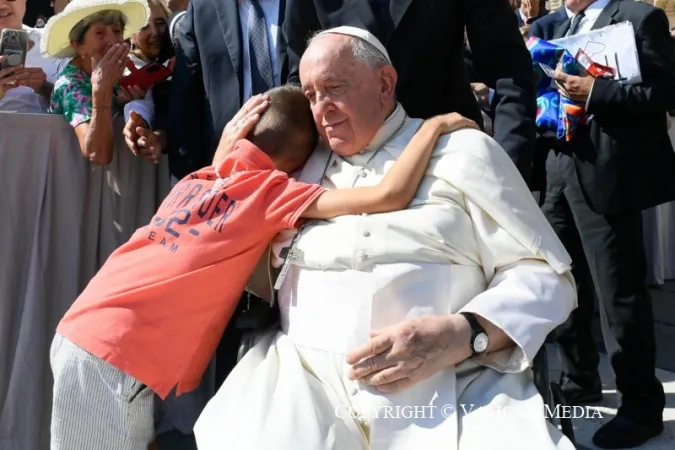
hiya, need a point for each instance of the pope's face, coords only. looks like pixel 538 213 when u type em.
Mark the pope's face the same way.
pixel 11 14
pixel 349 98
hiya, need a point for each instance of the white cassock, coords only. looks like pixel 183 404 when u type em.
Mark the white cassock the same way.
pixel 473 239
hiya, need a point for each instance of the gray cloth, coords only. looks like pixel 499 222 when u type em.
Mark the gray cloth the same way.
pixel 96 405
pixel 61 218
pixel 659 237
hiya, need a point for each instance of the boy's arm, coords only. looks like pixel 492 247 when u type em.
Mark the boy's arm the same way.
pixel 398 187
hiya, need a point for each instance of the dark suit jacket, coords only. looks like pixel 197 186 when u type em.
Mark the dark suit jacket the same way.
pixel 624 158
pixel 521 23
pixel 426 47
pixel 207 80
pixel 545 27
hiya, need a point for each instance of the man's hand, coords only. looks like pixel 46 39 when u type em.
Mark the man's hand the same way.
pixel 141 140
pixel 482 92
pixel 241 124
pixel 574 87
pixel 130 132
pixel 35 78
pixel 525 31
pixel 10 77
pixel 151 144
pixel 400 356
pixel 530 8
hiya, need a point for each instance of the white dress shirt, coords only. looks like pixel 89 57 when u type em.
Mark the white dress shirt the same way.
pixel 271 12
pixel 591 14
pixel 23 99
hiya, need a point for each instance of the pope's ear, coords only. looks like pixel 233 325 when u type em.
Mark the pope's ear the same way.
pixel 388 77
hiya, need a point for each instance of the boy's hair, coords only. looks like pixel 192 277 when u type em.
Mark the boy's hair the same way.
pixel 286 129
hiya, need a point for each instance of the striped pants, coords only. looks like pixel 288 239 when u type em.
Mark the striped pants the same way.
pixel 95 405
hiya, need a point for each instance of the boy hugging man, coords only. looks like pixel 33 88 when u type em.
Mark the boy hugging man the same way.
pixel 152 317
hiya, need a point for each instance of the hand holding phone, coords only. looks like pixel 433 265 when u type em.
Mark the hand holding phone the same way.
pixel 145 77
pixel 9 78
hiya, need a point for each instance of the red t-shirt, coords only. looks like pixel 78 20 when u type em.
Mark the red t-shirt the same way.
pixel 159 305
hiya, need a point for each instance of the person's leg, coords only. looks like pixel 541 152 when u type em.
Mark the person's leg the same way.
pixel 578 354
pixel 614 247
pixel 95 405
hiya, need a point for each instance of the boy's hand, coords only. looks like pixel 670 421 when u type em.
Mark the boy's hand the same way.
pixel 447 123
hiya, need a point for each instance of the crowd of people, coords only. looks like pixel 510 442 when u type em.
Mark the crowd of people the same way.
pixel 361 175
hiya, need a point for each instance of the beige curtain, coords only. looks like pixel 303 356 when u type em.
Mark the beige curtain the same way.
pixel 60 219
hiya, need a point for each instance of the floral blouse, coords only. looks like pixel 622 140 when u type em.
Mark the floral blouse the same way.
pixel 72 96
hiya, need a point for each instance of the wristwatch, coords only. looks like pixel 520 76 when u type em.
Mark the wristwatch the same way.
pixel 479 337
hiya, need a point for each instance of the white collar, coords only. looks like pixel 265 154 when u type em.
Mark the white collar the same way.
pixel 593 10
pixel 387 130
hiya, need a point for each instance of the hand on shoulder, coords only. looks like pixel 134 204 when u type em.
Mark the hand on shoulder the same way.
pixel 447 123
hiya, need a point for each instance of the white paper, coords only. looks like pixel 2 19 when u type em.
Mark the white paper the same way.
pixel 612 46
pixel 331 310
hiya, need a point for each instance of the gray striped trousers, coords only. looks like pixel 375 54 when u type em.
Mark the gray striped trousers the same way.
pixel 95 405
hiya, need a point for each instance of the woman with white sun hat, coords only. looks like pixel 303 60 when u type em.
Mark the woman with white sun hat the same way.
pixel 91 34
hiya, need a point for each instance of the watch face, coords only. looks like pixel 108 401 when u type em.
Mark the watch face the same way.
pixel 480 344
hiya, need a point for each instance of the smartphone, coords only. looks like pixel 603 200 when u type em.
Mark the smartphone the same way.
pixel 146 77
pixel 14 46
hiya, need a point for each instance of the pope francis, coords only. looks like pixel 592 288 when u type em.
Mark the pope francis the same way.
pixel 408 330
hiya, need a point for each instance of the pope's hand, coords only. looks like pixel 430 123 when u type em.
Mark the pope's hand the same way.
pixel 400 356
pixel 241 124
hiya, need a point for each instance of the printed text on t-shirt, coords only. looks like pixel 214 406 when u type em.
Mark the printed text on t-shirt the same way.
pixel 190 209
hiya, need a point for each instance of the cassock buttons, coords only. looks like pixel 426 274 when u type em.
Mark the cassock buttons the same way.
pixel 366 234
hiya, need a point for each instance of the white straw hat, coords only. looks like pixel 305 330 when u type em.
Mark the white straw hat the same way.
pixel 55 40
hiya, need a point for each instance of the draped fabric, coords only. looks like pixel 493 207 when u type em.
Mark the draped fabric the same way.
pixel 61 218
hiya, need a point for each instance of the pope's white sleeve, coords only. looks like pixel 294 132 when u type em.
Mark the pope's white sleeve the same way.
pixel 526 297
pixel 530 288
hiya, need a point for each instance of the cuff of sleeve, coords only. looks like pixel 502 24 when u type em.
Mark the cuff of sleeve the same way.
pixel 590 93
pixel 526 301
pixel 508 360
pixel 142 107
